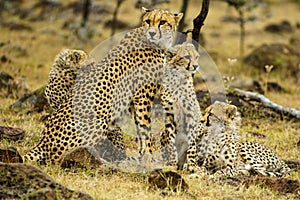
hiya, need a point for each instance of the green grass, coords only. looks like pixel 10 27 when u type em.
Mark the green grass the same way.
pixel 32 54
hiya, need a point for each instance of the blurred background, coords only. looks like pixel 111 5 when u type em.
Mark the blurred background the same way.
pixel 252 42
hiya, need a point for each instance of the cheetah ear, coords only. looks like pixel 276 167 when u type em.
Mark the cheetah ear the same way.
pixel 205 118
pixel 76 56
pixel 231 111
pixel 178 17
pixel 145 10
pixel 171 57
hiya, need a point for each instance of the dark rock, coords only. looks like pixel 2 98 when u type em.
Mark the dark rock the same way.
pixel 119 24
pixel 11 87
pixel 79 157
pixel 4 59
pixel 14 26
pixel 284 26
pixel 249 109
pixel 273 86
pixel 284 58
pixel 295 43
pixel 170 181
pixel 11 133
pixel 23 181
pixel 281 185
pixel 249 85
pixel 293 164
pixel 10 155
pixel 32 102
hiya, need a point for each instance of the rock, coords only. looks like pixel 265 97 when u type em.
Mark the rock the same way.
pixel 32 102
pixel 14 26
pixel 10 155
pixel 79 157
pixel 248 108
pixel 295 42
pixel 249 85
pixel 11 133
pixel 24 181
pixel 284 26
pixel 169 181
pixel 281 185
pixel 293 164
pixel 119 24
pixel 284 58
pixel 11 87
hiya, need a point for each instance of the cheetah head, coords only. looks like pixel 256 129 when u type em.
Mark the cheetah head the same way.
pixel 160 26
pixel 221 113
pixel 184 57
pixel 69 58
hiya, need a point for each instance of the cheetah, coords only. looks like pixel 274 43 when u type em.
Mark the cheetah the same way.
pixel 220 150
pixel 104 91
pixel 179 100
pixel 62 76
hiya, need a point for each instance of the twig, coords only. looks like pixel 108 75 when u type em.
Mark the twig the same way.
pixel 183 10
pixel 114 20
pixel 198 22
pixel 268 103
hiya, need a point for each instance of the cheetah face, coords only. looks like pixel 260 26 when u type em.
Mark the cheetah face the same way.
pixel 185 58
pixel 70 58
pixel 160 26
pixel 220 113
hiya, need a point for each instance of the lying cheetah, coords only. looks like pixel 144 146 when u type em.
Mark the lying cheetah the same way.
pixel 220 149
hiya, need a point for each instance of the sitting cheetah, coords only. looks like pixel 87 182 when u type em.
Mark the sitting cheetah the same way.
pixel 220 149
pixel 179 100
pixel 103 91
pixel 62 76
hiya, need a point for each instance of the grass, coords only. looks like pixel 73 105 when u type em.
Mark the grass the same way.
pixel 32 53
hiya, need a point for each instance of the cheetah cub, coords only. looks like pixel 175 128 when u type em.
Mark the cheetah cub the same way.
pixel 62 76
pixel 220 150
pixel 180 103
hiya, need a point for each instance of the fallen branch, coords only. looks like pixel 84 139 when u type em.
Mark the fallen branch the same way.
pixel 268 103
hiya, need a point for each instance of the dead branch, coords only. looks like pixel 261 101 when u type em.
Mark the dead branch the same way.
pixel 198 22
pixel 268 103
pixel 183 10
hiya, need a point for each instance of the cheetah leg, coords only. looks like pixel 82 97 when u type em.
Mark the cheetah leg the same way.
pixel 142 106
pixel 169 151
pixel 191 130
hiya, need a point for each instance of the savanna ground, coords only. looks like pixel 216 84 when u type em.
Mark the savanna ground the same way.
pixel 31 53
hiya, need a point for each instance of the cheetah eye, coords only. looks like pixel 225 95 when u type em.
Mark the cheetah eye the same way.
pixel 187 57
pixel 162 22
pixel 76 56
pixel 148 21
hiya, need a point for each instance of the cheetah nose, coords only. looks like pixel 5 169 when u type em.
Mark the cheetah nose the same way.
pixel 195 67
pixel 151 33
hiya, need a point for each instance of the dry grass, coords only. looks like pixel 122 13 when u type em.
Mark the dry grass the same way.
pixel 32 53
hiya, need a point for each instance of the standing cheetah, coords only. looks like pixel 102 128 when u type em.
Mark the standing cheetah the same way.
pixel 103 92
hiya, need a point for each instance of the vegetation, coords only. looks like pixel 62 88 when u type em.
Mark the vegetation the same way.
pixel 31 36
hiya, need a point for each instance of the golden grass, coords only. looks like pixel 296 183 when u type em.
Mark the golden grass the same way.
pixel 32 53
